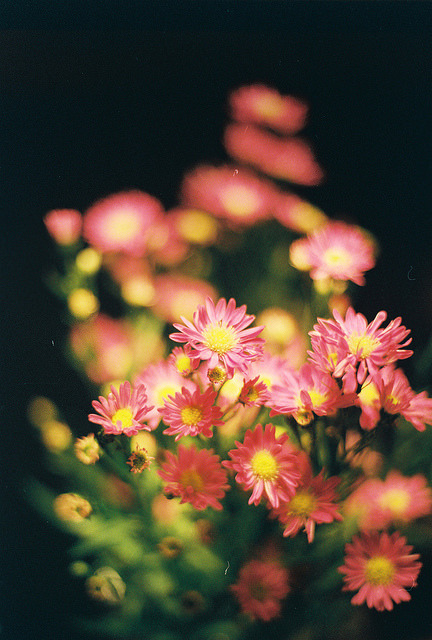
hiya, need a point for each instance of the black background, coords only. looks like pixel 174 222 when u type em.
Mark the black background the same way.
pixel 98 97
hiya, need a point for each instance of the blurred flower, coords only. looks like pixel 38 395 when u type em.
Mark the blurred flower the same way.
pixel 218 334
pixel 192 602
pixel 283 158
pixel 299 254
pixel 262 105
pixel 260 588
pixel 139 460
pixel 64 225
pixel 369 460
pixel 195 476
pixel 41 410
pixel 122 222
pixel 190 414
pixel 297 214
pixel 122 411
pixel 265 464
pixel 72 507
pixel 118 493
pixel 170 547
pixel 195 226
pixel 87 449
pixel 56 436
pixel 166 510
pixel 380 567
pixel 82 303
pixel 206 530
pixel 88 261
pixel 254 393
pixel 234 194
pixel 106 586
pixel 178 296
pixel 402 499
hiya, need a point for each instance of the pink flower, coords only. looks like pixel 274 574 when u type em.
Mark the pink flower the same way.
pixel 419 411
pixel 64 225
pixel 178 295
pixel 265 464
pixel 122 222
pixel 283 158
pixel 182 361
pixel 297 214
pixel 218 334
pixel 254 393
pixel 314 502
pixel 258 104
pixel 195 476
pixel 122 411
pixel 260 588
pixel 234 194
pixel 341 252
pixel 401 499
pixel 380 567
pixel 190 414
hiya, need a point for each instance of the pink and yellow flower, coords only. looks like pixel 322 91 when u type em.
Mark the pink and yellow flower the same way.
pixel 298 215
pixel 401 499
pixel 122 222
pixel 254 393
pixel 64 225
pixel 123 411
pixel 234 194
pixel 178 295
pixel 190 414
pixel 260 589
pixel 262 105
pixel 219 335
pixel 182 360
pixel 139 460
pixel 265 464
pixel 380 567
pixel 314 502
pixel 196 476
pixel 283 158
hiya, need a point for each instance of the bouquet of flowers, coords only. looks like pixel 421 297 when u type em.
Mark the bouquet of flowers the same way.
pixel 237 471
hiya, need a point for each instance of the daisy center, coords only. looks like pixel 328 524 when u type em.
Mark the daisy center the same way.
pixel 316 397
pixel 362 345
pixel 191 478
pixel 264 465
pixel 183 363
pixel 397 500
pixel 122 225
pixel 191 415
pixel 252 394
pixel 302 504
pixel 337 257
pixel 219 339
pixel 124 416
pixel 379 571
pixel 239 200
pixel 269 106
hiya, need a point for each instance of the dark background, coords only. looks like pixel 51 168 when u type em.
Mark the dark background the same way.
pixel 99 97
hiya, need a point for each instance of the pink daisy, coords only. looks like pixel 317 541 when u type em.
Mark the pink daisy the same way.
pixel 258 104
pixel 419 411
pixel 235 194
pixel 196 476
pixel 314 502
pixel 254 393
pixel 297 214
pixel 341 252
pixel 266 465
pixel 260 589
pixel 122 222
pixel 269 370
pixel 190 414
pixel 381 568
pixel 122 411
pixel 401 499
pixel 219 334
pixel 178 295
pixel 283 158
pixel 64 225
pixel 182 360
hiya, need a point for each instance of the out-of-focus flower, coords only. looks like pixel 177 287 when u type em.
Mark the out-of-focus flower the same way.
pixel 314 502
pixel 254 393
pixel 166 245
pixel 82 303
pixel 192 602
pixel 118 493
pixel 288 159
pixel 402 499
pixel 64 225
pixel 41 410
pixel 87 449
pixel 340 302
pixel 260 589
pixel 265 464
pixel 195 226
pixel 262 105
pixel 196 476
pixel 179 296
pixel 139 460
pixel 106 585
pixel 72 507
pixel 206 530
pixel 88 261
pixel 299 254
pixel 122 411
pixel 269 369
pixel 369 460
pixel 380 567
pixel 234 194
pixel 219 334
pixel 170 547
pixel 166 510
pixel 56 436
pixel 122 222
pixel 298 215
pixel 190 414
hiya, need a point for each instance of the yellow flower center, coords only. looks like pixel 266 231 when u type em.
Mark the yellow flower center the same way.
pixel 379 571
pixel 397 500
pixel 269 106
pixel 124 416
pixel 197 226
pixel 252 394
pixel 191 415
pixel 191 478
pixel 183 363
pixel 302 504
pixel 219 339
pixel 162 392
pixel 264 465
pixel 362 345
pixel 122 225
pixel 337 257
pixel 239 200
pixel 369 394
pixel 316 397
